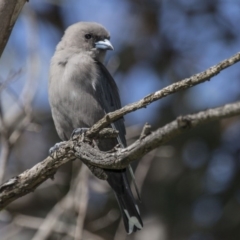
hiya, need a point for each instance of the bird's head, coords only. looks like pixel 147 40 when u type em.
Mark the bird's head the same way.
pixel 89 37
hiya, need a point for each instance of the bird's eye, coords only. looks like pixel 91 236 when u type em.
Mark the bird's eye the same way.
pixel 88 36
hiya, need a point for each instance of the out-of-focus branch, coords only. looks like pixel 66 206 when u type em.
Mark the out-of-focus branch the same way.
pixel 9 11
pixel 81 202
pixel 47 226
pixel 31 83
pixel 27 181
pixel 8 130
pixel 175 87
pixel 23 221
pixel 5 147
pixel 31 222
pixel 5 151
pixel 51 219
pixel 78 190
pixel 120 158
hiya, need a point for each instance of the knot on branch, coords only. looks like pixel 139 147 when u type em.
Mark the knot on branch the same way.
pixel 145 131
pixel 84 136
pixel 184 122
pixel 107 133
pixel 8 184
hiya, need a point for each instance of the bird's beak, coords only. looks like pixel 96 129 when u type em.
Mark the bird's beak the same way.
pixel 104 44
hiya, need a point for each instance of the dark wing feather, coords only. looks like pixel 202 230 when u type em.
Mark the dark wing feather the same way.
pixel 108 96
pixel 110 99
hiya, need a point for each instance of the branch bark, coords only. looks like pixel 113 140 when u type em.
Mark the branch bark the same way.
pixel 28 181
pixel 9 11
pixel 124 156
pixel 175 87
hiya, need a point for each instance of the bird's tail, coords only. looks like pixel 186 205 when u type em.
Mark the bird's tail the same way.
pixel 117 179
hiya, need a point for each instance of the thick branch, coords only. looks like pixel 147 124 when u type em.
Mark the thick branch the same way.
pixel 30 179
pixel 139 148
pixel 183 84
pixel 9 11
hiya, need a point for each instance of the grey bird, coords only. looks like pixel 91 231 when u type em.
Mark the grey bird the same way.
pixel 81 92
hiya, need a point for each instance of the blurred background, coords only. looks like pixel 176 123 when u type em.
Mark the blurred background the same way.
pixel 190 188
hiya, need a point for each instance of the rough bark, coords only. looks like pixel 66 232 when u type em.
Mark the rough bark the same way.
pixel 28 181
pixel 9 11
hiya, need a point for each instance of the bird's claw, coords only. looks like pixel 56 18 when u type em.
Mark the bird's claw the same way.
pixel 55 148
pixel 77 132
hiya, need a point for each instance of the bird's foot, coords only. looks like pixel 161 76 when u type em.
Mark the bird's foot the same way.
pixel 78 132
pixel 55 148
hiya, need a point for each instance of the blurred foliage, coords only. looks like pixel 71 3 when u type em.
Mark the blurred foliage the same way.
pixel 192 190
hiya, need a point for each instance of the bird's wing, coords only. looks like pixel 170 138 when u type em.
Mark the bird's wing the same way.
pixel 110 99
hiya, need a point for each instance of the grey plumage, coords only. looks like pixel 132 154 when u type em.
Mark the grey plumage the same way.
pixel 82 91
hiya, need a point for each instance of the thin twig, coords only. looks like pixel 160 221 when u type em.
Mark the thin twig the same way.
pixel 103 222
pixel 7 138
pixel 34 223
pixel 81 202
pixel 5 151
pixel 78 191
pixel 31 84
pixel 143 168
pixel 24 221
pixel 50 221
pixel 5 147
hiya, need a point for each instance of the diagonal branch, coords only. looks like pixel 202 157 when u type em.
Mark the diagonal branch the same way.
pixel 9 11
pixel 124 156
pixel 175 87
pixel 28 181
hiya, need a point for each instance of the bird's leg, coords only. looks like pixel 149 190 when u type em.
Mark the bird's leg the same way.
pixel 81 132
pixel 78 132
pixel 55 148
pixel 98 172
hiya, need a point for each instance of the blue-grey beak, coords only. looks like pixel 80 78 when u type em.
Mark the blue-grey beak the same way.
pixel 104 44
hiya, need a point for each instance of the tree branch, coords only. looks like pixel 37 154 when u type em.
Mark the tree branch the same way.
pixel 9 11
pixel 175 87
pixel 124 156
pixel 28 181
